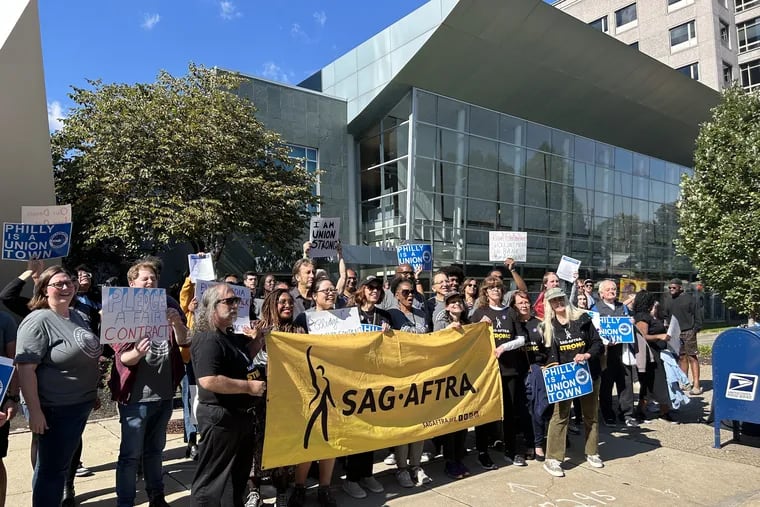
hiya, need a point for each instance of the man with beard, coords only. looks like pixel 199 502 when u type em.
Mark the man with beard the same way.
pixel 144 379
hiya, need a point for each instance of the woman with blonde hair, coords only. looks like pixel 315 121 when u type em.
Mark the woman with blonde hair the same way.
pixel 570 337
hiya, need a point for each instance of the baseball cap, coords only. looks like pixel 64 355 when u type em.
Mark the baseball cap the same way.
pixel 554 293
pixel 451 295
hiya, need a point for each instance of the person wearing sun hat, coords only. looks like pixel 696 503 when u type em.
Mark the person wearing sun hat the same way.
pixel 570 336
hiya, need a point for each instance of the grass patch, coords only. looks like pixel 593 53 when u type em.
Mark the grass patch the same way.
pixel 704 351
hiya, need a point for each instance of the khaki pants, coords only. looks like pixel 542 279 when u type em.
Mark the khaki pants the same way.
pixel 557 433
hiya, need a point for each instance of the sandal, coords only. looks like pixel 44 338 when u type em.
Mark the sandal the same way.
pixel 696 391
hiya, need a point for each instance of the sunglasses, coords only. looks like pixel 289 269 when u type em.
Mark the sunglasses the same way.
pixel 405 292
pixel 229 301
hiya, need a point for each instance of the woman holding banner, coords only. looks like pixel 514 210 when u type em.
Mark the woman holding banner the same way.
pixel 323 293
pixel 57 357
pixel 276 315
pixel 571 338
pixel 359 475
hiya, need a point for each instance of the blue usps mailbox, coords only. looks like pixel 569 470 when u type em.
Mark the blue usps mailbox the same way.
pixel 736 369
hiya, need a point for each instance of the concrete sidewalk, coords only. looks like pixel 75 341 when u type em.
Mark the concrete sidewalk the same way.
pixel 659 464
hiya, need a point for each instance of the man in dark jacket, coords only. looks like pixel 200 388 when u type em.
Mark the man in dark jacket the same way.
pixel 687 310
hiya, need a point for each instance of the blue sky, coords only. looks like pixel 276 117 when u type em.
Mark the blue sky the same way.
pixel 129 41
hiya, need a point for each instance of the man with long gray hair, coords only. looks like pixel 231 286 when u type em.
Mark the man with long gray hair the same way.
pixel 222 362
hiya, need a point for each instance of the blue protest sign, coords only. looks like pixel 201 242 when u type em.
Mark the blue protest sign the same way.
pixel 567 381
pixel 371 327
pixel 416 256
pixel 6 372
pixel 22 242
pixel 616 329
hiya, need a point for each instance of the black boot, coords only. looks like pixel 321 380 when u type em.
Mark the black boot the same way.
pixel 69 497
pixel 157 500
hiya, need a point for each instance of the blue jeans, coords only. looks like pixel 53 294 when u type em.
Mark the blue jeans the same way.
pixel 56 447
pixel 143 436
pixel 187 380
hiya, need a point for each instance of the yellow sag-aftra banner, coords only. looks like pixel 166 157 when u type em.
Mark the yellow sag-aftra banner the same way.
pixel 336 395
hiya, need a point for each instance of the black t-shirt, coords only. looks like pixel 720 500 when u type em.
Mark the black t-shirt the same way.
pixel 511 362
pixel 217 353
pixel 534 343
pixel 576 337
pixel 376 317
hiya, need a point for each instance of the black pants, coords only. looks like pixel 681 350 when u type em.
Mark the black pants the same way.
pixel 359 466
pixel 485 434
pixel 454 446
pixel 75 459
pixel 516 415
pixel 620 376
pixel 225 456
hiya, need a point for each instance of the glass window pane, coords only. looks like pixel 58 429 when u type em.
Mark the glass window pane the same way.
pixel 426 107
pixel 535 193
pixel 563 143
pixel 536 220
pixel 370 182
pixel 605 180
pixel 481 213
pixel 604 155
pixel 537 165
pixel 561 170
pixel 369 152
pixel 539 137
pixel 640 165
pixel 657 191
pixel 640 187
pixel 484 122
pixel 426 141
pixel 452 114
pixel 453 179
pixel 483 153
pixel 511 159
pixel 623 184
pixel 584 149
pixel 511 189
pixel 656 169
pixel 512 130
pixel 483 184
pixel 623 160
pixel 453 146
pixel 424 171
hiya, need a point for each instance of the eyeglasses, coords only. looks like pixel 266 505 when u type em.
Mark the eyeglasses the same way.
pixel 471 285
pixel 404 292
pixel 441 282
pixel 229 301
pixel 328 291
pixel 493 288
pixel 62 285
pixel 285 303
pixel 588 284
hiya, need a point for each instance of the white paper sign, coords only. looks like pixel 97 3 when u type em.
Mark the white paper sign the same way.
pixel 507 244
pixel 340 321
pixel 567 268
pixel 46 214
pixel 243 319
pixel 132 313
pixel 201 267
pixel 674 335
pixel 324 235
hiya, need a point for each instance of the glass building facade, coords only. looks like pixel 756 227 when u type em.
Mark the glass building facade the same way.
pixel 444 172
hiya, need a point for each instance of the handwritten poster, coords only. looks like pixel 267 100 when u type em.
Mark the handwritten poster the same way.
pixel 46 214
pixel 133 313
pixel 324 235
pixel 341 321
pixel 507 244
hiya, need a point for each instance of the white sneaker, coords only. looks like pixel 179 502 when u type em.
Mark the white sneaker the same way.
pixel 554 467
pixel 420 476
pixel 253 499
pixel 426 457
pixel 595 461
pixel 390 459
pixel 371 484
pixel 403 478
pixel 353 489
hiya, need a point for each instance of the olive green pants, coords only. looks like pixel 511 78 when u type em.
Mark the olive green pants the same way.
pixel 557 432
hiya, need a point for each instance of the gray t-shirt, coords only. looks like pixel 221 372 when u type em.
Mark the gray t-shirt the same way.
pixel 153 381
pixel 66 353
pixel 416 322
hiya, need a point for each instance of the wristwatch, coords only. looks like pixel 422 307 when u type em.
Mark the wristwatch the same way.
pixel 13 397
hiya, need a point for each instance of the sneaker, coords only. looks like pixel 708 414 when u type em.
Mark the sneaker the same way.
pixel 452 470
pixel 83 471
pixel 325 498
pixel 463 469
pixel 427 457
pixel 486 462
pixel 281 500
pixel 630 422
pixel 554 467
pixel 254 498
pixel 610 422
pixel 404 479
pixel 353 489
pixel 390 459
pixel 574 429
pixel 508 460
pixel 669 418
pixel 422 478
pixel 371 484
pixel 595 461
pixel 297 497
pixel 519 460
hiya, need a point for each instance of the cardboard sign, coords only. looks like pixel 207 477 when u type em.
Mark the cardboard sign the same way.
pixel 340 321
pixel 201 267
pixel 567 268
pixel 617 329
pixel 567 381
pixel 416 256
pixel 503 245
pixel 133 313
pixel 6 374
pixel 46 214
pixel 243 319
pixel 22 242
pixel 324 235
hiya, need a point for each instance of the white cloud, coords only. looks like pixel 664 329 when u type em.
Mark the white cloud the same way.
pixel 271 70
pixel 296 31
pixel 55 115
pixel 150 20
pixel 228 10
pixel 320 17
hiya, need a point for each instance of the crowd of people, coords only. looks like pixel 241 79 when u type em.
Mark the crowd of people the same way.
pixel 223 379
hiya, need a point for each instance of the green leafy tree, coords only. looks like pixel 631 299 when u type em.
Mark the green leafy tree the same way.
pixel 719 211
pixel 148 166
